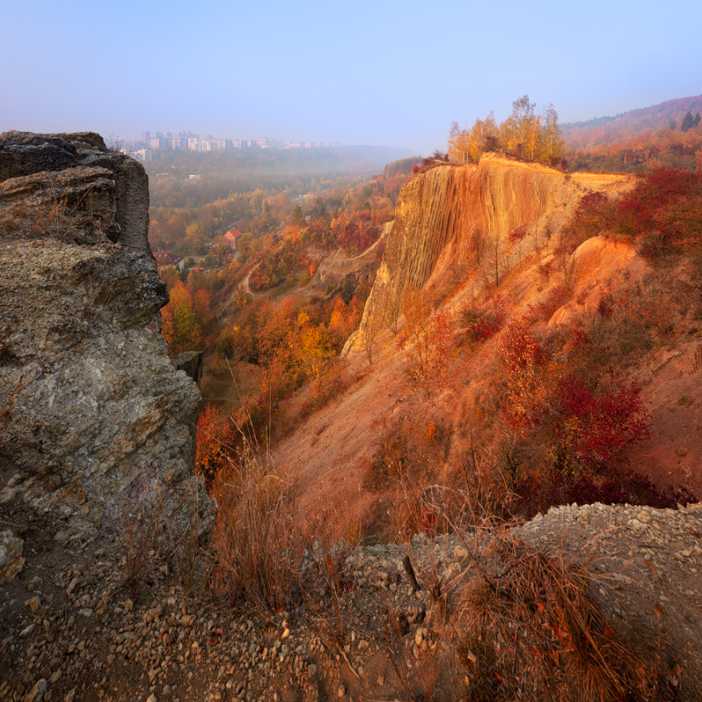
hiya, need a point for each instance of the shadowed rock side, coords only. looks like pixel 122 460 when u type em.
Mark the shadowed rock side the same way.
pixel 95 421
pixel 454 222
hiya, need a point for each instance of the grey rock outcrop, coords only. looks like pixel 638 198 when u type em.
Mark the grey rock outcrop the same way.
pixel 93 415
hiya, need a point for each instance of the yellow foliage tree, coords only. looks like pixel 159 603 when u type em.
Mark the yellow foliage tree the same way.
pixel 523 134
pixel 180 325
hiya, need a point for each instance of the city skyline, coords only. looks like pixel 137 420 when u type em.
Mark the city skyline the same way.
pixel 150 142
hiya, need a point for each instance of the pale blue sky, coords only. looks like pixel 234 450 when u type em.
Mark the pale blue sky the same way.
pixel 380 72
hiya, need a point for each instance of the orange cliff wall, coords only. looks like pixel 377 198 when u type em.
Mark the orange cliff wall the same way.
pixel 432 240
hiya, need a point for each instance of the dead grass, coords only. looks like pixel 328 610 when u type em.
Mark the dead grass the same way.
pixel 258 545
pixel 422 492
pixel 527 628
pixel 517 624
pixel 154 546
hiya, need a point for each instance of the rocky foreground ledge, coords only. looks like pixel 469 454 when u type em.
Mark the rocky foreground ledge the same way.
pixel 73 632
pixel 96 425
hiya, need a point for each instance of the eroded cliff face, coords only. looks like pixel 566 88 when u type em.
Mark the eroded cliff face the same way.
pixel 96 422
pixel 454 222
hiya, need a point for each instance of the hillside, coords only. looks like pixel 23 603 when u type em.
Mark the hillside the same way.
pixel 529 350
pixel 607 130
pixel 479 259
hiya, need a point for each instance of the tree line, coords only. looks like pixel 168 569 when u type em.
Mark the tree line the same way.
pixel 524 135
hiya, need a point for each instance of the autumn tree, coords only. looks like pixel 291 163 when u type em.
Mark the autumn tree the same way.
pixel 213 442
pixel 458 145
pixel 312 346
pixel 344 317
pixel 552 146
pixel 482 137
pixel 180 325
pixel 195 237
pixel 519 133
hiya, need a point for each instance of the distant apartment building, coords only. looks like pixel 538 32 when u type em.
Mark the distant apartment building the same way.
pixel 179 142
pixel 206 144
pixel 159 142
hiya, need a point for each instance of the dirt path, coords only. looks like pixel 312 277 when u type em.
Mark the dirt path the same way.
pixel 245 284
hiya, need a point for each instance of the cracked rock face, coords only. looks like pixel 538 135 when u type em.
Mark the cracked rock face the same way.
pixel 93 415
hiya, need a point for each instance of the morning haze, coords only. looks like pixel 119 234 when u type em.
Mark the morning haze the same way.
pixel 382 73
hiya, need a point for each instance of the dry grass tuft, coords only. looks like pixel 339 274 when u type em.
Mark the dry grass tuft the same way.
pixel 527 628
pixel 422 492
pixel 154 545
pixel 258 546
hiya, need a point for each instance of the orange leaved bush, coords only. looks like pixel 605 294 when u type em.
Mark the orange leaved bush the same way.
pixel 214 439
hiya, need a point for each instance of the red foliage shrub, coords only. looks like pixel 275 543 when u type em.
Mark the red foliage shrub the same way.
pixel 665 209
pixel 639 209
pixel 602 424
pixel 520 349
pixel 522 356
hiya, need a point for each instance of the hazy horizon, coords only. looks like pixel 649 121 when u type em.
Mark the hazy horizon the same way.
pixel 392 74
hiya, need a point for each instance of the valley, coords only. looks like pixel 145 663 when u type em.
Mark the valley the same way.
pixel 431 433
